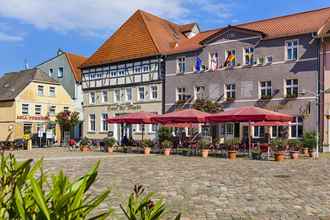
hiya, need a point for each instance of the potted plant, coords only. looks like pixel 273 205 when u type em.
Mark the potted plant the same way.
pixel 256 153
pixel 84 145
pixel 147 145
pixel 204 144
pixel 278 145
pixel 309 142
pixel 109 144
pixel 295 146
pixel 232 145
pixel 167 145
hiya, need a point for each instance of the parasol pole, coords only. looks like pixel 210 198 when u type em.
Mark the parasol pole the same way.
pixel 249 131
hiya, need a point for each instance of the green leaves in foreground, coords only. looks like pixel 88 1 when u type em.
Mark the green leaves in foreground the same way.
pixel 23 194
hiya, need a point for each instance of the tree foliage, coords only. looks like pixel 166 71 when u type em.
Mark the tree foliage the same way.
pixel 208 106
pixel 67 119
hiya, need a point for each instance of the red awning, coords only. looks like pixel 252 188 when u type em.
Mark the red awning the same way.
pixel 181 125
pixel 181 116
pixel 270 123
pixel 248 114
pixel 133 118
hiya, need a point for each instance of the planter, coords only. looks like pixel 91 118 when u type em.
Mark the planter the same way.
pixel 147 150
pixel 167 151
pixel 85 149
pixel 279 156
pixel 294 155
pixel 306 151
pixel 311 153
pixel 110 150
pixel 232 155
pixel 205 153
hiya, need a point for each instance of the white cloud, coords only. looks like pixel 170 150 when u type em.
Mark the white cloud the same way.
pixel 4 37
pixel 101 16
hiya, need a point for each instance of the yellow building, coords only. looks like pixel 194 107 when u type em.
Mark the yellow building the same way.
pixel 29 102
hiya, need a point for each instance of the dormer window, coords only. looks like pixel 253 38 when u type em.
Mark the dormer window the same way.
pixel 181 65
pixel 248 56
pixel 291 49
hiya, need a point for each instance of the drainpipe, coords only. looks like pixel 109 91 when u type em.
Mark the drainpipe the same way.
pixel 162 69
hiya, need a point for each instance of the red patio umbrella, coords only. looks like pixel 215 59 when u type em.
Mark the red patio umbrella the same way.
pixel 270 123
pixel 248 114
pixel 181 125
pixel 181 116
pixel 133 118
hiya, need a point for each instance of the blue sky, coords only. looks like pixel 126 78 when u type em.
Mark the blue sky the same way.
pixel 33 30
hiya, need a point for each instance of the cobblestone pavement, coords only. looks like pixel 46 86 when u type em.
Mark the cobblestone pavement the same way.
pixel 211 188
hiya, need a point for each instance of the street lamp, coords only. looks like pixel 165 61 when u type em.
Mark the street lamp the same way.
pixel 317 100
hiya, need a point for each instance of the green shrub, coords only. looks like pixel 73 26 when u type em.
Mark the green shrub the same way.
pixel 164 133
pixel 23 193
pixel 309 140
pixel 147 143
pixel 109 142
pixel 278 144
pixel 85 141
pixel 167 144
pixel 204 143
pixel 295 144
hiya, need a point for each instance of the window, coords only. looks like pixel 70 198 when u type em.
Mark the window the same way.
pixel 104 96
pixel 51 91
pixel 113 73
pixel 141 93
pixel 229 129
pixel 25 109
pixel 277 131
pixel 230 91
pixel 230 57
pixel 40 90
pixel 52 110
pixel 60 72
pixel 50 71
pixel 37 109
pixel 153 128
pixel 146 68
pixel 291 50
pixel 128 94
pixel 297 127
pixel 154 92
pixel 117 95
pixel 121 72
pixel 181 94
pixel 291 88
pixel 199 92
pixel 181 65
pixel 259 131
pixel 104 122
pixel 66 109
pixel 92 126
pixel 248 56
pixel 265 89
pixel 137 69
pixel 92 98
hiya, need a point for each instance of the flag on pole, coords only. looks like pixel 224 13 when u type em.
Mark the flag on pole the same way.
pixel 198 64
pixel 214 63
pixel 230 58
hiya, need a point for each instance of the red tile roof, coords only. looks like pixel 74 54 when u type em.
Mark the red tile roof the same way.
pixel 144 34
pixel 75 61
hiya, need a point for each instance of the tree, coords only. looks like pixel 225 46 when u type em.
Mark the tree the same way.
pixel 206 105
pixel 67 120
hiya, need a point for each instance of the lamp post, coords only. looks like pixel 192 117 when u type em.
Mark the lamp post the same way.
pixel 317 100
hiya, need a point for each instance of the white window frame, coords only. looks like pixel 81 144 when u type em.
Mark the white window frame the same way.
pixel 292 87
pixel 198 90
pixel 37 109
pixel 90 122
pixel 153 128
pixel 117 96
pixel 266 88
pixel 258 130
pixel 66 108
pixel 50 71
pixel 105 96
pixel 292 47
pixel 229 129
pixel 181 94
pixel 245 54
pixel 181 66
pixel 42 91
pixel 52 93
pixel 137 69
pixel 139 93
pixel 92 98
pixel 152 92
pixel 60 73
pixel 25 107
pixel 126 94
pixel 104 123
pixel 51 108
pixel 229 89
pixel 296 123
pixel 146 68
